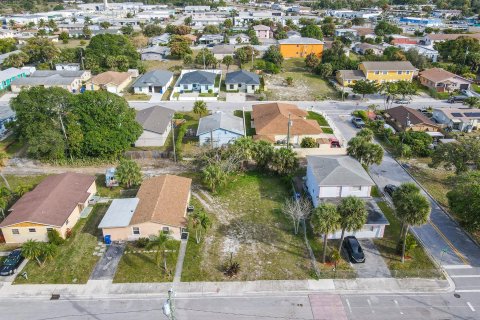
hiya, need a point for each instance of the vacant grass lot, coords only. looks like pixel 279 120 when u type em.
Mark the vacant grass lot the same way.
pixel 249 225
pixel 114 192
pixel 74 261
pixel 72 43
pixel 29 182
pixel 417 263
pixel 142 266
pixel 136 97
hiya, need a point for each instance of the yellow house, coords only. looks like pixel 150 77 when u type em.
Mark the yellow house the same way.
pixel 300 47
pixel 388 71
pixel 56 203
pixel 348 78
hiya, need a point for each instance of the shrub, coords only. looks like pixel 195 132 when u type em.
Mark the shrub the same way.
pixel 308 142
pixel 210 91
pixel 410 244
pixel 360 114
pixel 231 267
pixel 141 242
pixel 54 237
pixel 179 141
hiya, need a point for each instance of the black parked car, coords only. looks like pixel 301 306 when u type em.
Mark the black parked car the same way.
pixel 354 250
pixel 11 264
pixel 390 189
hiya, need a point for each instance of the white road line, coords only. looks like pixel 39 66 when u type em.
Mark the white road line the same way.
pixel 348 305
pixel 398 306
pixel 468 290
pixel 370 305
pixel 457 266
pixel 471 307
pixel 466 276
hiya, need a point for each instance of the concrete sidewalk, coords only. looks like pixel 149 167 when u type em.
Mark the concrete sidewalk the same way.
pixel 96 289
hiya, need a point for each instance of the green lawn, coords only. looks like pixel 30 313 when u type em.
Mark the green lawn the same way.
pixel 476 88
pixel 249 224
pixel 136 97
pixel 114 192
pixel 72 43
pixel 327 270
pixel 375 192
pixel 142 266
pixel 11 145
pixel 16 181
pixel 318 117
pixel 248 121
pixel 74 261
pixel 417 264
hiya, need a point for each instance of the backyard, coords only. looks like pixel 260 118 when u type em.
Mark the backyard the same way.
pixel 248 226
pixel 75 259
pixel 306 85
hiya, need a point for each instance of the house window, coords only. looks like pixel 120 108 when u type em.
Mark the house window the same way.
pixel 399 72
pixel 49 229
pixel 407 72
pixel 232 86
pixel 32 230
pixel 166 230
pixel 185 87
pixel 377 72
pixel 136 230
pixel 15 231
pixel 385 72
pixel 66 222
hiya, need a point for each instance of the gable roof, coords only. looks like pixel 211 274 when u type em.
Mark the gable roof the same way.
pixel 351 74
pixel 300 40
pixel 113 77
pixel 401 114
pixel 220 120
pixel 197 76
pixel 155 119
pixel 272 119
pixel 261 27
pixel 155 77
pixel 451 36
pixel 52 201
pixel 119 213
pixel 388 65
pixel 242 76
pixel 163 200
pixel 439 74
pixel 338 171
pixel 10 73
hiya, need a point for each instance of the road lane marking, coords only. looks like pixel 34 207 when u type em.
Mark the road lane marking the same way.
pixel 466 276
pixel 470 306
pixel 457 266
pixel 398 306
pixel 370 305
pixel 468 291
pixel 449 243
pixel 348 305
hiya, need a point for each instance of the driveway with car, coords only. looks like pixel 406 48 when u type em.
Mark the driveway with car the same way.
pixel 374 265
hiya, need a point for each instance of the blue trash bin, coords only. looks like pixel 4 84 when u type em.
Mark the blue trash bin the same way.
pixel 108 239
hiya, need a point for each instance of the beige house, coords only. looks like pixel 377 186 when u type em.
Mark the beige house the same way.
pixel 56 203
pixel 111 81
pixel 160 206
pixel 442 80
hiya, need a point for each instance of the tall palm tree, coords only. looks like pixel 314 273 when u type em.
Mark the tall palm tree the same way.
pixel 353 215
pixel 31 249
pixel 325 220
pixel 160 243
pixel 200 220
pixel 49 250
pixel 200 108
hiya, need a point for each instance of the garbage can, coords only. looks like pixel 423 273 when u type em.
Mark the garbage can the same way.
pixel 108 239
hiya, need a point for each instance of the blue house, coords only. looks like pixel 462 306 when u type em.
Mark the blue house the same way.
pixel 10 74
pixel 219 129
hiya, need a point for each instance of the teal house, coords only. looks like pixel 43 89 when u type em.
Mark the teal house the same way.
pixel 10 74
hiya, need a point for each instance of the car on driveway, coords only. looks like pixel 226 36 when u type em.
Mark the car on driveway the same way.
pixel 358 122
pixel 390 189
pixel 353 249
pixel 11 264
pixel 402 101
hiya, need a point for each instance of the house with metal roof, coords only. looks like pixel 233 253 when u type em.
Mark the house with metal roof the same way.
pixel 156 81
pixel 156 53
pixel 69 80
pixel 242 81
pixel 157 123
pixel 219 129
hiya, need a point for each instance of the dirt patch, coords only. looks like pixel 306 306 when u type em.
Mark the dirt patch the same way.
pixel 305 86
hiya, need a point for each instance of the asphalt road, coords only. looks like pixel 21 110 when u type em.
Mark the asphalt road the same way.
pixel 315 306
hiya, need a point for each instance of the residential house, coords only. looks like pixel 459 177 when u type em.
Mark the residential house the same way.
pixel 6 115
pixel 56 203
pixel 367 48
pixel 160 206
pixel 219 129
pixel 242 81
pixel 407 119
pixel 271 123
pixel 211 39
pixel 263 32
pixel 111 81
pixel 156 123
pixel 348 77
pixel 67 66
pixel 239 39
pixel 70 80
pixel 429 53
pixel 333 177
pixel 161 40
pixel 9 75
pixel 156 81
pixel 198 80
pixel 431 39
pixel 300 47
pixel 458 119
pixel 156 53
pixel 196 9
pixel 442 80
pixel 349 33
pixel 221 50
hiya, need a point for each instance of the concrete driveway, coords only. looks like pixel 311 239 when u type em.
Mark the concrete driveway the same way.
pixel 235 97
pixel 374 266
pixel 106 267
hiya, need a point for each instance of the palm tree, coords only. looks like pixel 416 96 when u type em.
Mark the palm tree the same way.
pixel 49 250
pixel 411 207
pixel 228 61
pixel 159 243
pixel 31 249
pixel 325 220
pixel 200 220
pixel 353 216
pixel 213 176
pixel 200 108
pixel 128 173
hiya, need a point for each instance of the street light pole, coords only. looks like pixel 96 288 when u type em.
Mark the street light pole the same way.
pixel 168 307
pixel 173 141
pixel 244 125
pixel 288 131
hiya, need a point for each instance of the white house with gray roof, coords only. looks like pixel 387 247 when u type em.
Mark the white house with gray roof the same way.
pixel 201 81
pixel 156 81
pixel 69 80
pixel 157 124
pixel 219 129
pixel 243 81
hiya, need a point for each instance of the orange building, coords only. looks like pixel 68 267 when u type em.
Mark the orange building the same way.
pixel 300 47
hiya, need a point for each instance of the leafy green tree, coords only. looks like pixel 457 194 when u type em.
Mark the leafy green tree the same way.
pixel 308 142
pixel 273 55
pixel 364 87
pixel 206 57
pixel 105 50
pixel 365 151
pixel 160 244
pixel 353 215
pixel 211 29
pixel 152 30
pixel 187 60
pixel 179 46
pixel 244 54
pixel 411 207
pixel 40 50
pixel 228 23
pixel 472 102
pixel 464 199
pixel 458 50
pixel 312 31
pixel 214 177
pixel 458 156
pixel 16 60
pixel 419 61
pixel 105 25
pixel 328 29
pixel 312 61
pixel 87 33
pixel 284 161
pixel 200 108
pixel 325 220
pixel 384 28
pixel 406 88
pixel 127 30
pixel 63 36
pixel 325 70
pixel 262 153
pixel 7 45
pixel 227 61
pixel 128 173
pixel 200 222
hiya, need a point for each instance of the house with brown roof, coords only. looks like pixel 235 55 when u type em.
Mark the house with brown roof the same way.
pixel 56 203
pixel 407 119
pixel 160 206
pixel 442 80
pixel 270 121
pixel 110 81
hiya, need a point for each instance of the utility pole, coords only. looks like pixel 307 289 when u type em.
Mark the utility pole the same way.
pixel 288 131
pixel 244 125
pixel 173 140
pixel 168 307
pixel 203 53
